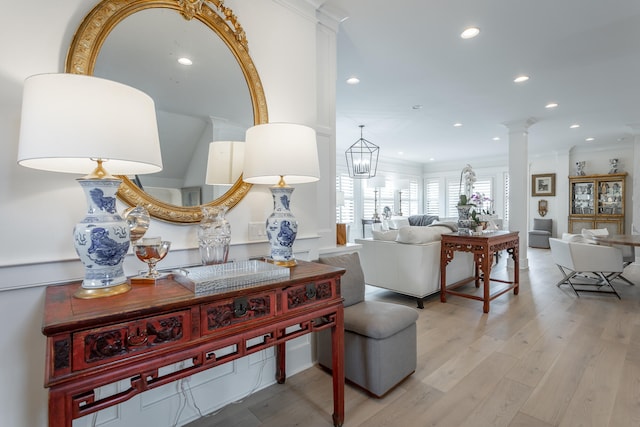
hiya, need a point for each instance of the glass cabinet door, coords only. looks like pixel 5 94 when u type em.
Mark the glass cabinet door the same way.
pixel 582 198
pixel 610 197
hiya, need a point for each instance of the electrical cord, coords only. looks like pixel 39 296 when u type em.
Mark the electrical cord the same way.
pixel 263 363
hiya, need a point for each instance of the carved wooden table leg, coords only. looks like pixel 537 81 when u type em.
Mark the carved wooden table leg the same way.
pixel 486 271
pixel 445 256
pixel 281 363
pixel 59 410
pixel 477 264
pixel 516 268
pixel 337 357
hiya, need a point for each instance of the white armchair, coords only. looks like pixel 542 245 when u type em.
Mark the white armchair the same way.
pixel 586 265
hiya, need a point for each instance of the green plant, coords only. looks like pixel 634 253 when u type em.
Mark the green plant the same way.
pixel 475 218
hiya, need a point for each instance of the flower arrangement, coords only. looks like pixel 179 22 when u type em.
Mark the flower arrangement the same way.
pixel 479 199
pixel 469 177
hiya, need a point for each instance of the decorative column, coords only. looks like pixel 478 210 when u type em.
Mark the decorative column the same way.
pixel 519 183
pixel 327 28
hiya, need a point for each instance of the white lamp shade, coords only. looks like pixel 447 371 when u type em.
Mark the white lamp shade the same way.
pixel 224 165
pixel 404 184
pixel 71 120
pixel 275 150
pixel 377 181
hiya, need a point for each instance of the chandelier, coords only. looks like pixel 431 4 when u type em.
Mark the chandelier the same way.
pixel 362 158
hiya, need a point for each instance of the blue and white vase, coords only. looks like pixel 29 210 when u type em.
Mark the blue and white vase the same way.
pixel 282 227
pixel 101 240
pixel 464 218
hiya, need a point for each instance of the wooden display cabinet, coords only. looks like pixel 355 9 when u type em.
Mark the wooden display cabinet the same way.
pixel 597 201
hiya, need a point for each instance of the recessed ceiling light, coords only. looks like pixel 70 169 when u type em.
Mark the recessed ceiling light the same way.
pixel 185 61
pixel 521 79
pixel 416 107
pixel 589 139
pixel 353 80
pixel 574 126
pixel 551 105
pixel 400 153
pixel 496 138
pixel 457 125
pixel 470 33
pixel 431 159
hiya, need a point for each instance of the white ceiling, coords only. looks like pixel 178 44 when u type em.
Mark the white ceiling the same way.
pixel 582 54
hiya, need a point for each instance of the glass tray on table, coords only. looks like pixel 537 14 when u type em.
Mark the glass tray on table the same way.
pixel 210 279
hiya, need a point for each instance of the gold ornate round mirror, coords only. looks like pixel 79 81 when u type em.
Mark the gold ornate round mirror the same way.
pixel 216 20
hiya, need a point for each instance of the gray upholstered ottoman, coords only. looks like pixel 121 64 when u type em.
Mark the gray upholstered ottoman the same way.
pixel 379 337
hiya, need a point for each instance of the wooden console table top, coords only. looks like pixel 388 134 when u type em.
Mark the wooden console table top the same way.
pixel 95 342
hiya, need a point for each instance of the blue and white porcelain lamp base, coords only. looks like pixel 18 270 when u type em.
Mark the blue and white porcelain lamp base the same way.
pixel 282 227
pixel 101 240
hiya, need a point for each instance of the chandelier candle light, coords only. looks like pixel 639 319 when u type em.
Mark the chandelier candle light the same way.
pixel 71 123
pixel 280 154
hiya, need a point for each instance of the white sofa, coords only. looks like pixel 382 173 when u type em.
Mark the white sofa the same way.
pixel 407 261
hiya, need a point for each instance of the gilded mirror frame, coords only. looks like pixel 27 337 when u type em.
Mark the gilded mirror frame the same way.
pixel 84 50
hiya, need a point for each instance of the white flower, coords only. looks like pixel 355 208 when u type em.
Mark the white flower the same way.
pixel 469 178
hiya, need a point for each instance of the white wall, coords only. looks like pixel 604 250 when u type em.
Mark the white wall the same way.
pixel 39 209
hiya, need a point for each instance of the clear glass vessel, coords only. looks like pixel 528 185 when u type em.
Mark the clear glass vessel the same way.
pixel 214 235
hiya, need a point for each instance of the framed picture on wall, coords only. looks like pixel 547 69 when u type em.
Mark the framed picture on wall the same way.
pixel 543 184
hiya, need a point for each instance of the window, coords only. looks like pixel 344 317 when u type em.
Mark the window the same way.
pixel 453 195
pixel 409 199
pixel 383 196
pixel 345 214
pixel 482 186
pixel 506 197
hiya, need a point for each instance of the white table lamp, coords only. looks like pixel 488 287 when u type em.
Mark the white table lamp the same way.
pixel 75 123
pixel 376 182
pixel 279 154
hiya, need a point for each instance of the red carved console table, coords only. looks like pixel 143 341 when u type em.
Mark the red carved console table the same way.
pixel 483 248
pixel 95 342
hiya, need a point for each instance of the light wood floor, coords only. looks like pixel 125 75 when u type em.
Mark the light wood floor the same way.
pixel 542 358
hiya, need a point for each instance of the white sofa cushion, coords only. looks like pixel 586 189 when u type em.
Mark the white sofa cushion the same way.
pixel 398 223
pixel 586 235
pixel 416 234
pixel 384 235
pixel 575 238
pixel 589 234
pixel 352 282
